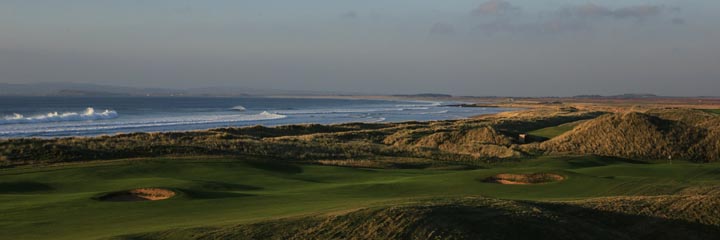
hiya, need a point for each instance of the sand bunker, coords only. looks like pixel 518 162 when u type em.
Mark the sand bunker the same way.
pixel 140 194
pixel 533 178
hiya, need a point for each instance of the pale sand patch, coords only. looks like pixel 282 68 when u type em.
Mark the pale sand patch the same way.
pixel 140 194
pixel 520 179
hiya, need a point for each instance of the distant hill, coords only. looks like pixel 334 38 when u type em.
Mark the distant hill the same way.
pixel 431 95
pixel 621 96
pixel 80 89
pixel 84 89
pixel 66 92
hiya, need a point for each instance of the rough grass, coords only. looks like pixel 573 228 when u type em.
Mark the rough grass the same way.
pixel 217 193
pixel 466 218
pixel 656 135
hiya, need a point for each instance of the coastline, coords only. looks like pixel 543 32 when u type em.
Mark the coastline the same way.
pixel 387 110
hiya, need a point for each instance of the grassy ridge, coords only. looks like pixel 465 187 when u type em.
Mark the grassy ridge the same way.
pixel 217 192
pixel 469 218
pixel 654 135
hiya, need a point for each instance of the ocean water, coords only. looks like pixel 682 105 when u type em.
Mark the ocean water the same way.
pixel 90 116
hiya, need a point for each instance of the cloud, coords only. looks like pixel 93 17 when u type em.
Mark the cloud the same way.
pixel 678 21
pixel 349 15
pixel 442 29
pixel 591 10
pixel 586 11
pixel 577 18
pixel 495 8
pixel 553 26
pixel 640 11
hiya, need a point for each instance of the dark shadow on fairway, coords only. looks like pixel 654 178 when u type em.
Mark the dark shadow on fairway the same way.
pixel 223 186
pixel 23 187
pixel 200 194
pixel 597 161
pixel 278 167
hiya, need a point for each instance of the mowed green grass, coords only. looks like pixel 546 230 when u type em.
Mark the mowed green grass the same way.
pixel 551 132
pixel 57 202
pixel 715 111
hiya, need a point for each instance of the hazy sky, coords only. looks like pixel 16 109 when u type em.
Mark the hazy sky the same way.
pixel 463 47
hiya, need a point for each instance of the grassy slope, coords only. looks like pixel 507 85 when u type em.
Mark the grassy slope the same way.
pixel 551 132
pixel 55 202
pixel 488 218
pixel 682 134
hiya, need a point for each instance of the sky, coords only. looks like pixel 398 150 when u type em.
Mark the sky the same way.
pixel 460 47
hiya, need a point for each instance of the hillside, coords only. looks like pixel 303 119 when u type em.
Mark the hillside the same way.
pixel 478 218
pixel 654 135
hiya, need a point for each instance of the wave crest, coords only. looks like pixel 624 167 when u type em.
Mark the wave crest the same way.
pixel 268 115
pixel 88 114
pixel 239 108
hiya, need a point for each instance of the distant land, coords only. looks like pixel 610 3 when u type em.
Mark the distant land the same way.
pixel 621 96
pixel 85 89
pixel 434 95
pixel 99 90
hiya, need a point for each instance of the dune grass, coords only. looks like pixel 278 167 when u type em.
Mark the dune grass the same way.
pixel 57 202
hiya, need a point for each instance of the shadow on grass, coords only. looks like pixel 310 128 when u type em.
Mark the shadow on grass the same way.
pixel 224 186
pixel 202 194
pixel 632 226
pixel 23 187
pixel 598 161
pixel 477 218
pixel 279 167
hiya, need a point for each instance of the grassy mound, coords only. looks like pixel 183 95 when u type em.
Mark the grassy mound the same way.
pixel 467 218
pixel 140 194
pixel 700 208
pixel 520 179
pixel 680 134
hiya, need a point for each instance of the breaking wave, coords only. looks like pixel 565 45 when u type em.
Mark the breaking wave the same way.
pixel 438 112
pixel 421 104
pixel 268 115
pixel 88 114
pixel 168 122
pixel 239 108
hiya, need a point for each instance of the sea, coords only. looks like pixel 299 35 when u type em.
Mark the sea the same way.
pixel 49 117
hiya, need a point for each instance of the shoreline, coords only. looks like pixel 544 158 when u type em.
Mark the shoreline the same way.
pixel 509 106
pixel 439 103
